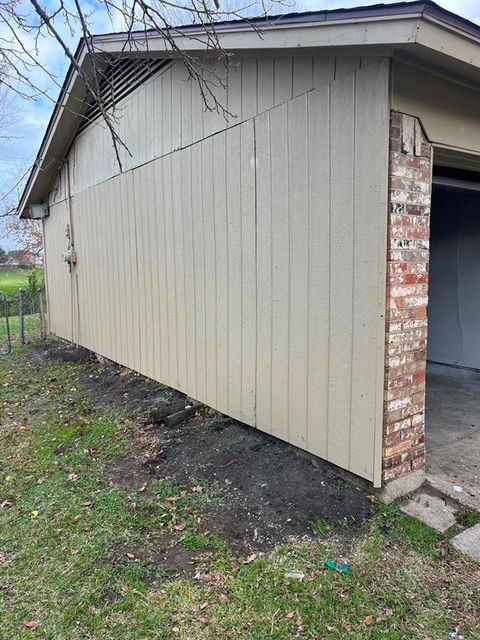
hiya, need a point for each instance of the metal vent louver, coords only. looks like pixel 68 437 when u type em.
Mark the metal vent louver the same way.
pixel 120 78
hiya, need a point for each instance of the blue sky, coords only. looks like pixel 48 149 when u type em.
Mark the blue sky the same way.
pixel 31 117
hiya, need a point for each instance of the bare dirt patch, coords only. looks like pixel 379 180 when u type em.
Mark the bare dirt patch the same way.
pixel 268 492
pixel 262 491
pixel 166 554
pixel 109 383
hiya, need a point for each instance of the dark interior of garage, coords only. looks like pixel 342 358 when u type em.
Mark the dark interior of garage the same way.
pixel 453 369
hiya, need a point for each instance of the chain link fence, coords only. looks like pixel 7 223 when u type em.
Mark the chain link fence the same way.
pixel 22 318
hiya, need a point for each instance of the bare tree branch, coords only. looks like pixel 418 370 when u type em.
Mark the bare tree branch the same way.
pixel 25 29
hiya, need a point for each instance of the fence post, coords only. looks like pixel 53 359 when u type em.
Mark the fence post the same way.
pixel 21 314
pixel 42 314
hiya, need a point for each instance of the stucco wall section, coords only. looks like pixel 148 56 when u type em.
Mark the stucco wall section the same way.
pixel 407 297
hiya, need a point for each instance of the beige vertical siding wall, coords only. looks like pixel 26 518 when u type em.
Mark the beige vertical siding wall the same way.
pixel 59 287
pixel 248 268
pixel 321 233
pixel 167 112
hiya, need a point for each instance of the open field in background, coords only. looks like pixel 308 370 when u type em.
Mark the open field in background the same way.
pixel 11 280
pixel 115 527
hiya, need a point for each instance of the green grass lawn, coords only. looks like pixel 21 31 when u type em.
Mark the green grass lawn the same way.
pixel 11 280
pixel 79 558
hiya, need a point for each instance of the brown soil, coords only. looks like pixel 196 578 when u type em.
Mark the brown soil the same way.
pixel 264 492
pixel 111 384
pixel 269 492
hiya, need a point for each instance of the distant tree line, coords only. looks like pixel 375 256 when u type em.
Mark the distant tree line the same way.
pixel 18 257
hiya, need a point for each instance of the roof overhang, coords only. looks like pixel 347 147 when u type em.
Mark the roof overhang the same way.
pixel 421 29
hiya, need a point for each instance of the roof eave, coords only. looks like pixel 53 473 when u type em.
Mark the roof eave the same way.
pixel 422 26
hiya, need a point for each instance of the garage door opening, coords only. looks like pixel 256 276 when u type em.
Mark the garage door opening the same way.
pixel 453 354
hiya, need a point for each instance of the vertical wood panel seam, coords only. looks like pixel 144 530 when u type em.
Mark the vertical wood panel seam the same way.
pixel 287 175
pixel 307 158
pixel 185 307
pixel 137 272
pixel 174 251
pixel 228 267
pixel 193 270
pixel 240 212
pixel 167 373
pixel 354 252
pixel 255 204
pixel 271 269
pixel 204 274
pixel 214 262
pixel 328 426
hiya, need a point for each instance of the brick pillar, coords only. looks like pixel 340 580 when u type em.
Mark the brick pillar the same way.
pixel 407 296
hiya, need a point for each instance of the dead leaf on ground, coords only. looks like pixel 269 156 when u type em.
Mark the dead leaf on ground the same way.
pixel 213 576
pixel 180 526
pixel 382 618
pixel 368 620
pixel 250 558
pixel 32 624
pixel 290 615
pixel 72 477
pixel 130 556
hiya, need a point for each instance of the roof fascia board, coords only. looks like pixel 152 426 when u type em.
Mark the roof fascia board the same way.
pixel 386 30
pixel 449 40
pixel 70 100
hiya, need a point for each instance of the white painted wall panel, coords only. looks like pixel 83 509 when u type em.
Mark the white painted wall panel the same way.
pixel 248 269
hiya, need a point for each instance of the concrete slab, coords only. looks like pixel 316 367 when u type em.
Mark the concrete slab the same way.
pixel 453 404
pixel 402 486
pixel 431 510
pixel 468 542
pixel 453 432
pixel 457 464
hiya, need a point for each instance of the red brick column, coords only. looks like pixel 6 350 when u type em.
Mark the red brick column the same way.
pixel 407 297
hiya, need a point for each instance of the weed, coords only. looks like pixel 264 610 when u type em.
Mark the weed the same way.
pixel 467 517
pixel 386 515
pixel 196 541
pixel 321 526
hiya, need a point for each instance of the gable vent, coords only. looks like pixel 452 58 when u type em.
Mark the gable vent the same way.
pixel 120 79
